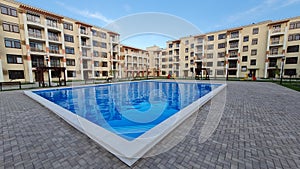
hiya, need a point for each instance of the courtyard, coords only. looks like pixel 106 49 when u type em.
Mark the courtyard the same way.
pixel 259 128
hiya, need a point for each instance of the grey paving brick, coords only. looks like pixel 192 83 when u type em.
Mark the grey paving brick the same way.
pixel 259 128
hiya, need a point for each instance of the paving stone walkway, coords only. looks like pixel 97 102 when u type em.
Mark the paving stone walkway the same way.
pixel 260 128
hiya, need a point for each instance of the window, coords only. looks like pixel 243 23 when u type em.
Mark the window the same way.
pixel 291 60
pixel 290 72
pixel 8 10
pixel 246 38
pixel 200 40
pixel 244 58
pixel 14 59
pixel 53 36
pixel 255 31
pixel 245 48
pixel 71 73
pixel 253 62
pixel 186 50
pixel 103 54
pixel 52 22
pixel 211 38
pixel 254 41
pixel 104 64
pixel 10 27
pixel 33 18
pixel 96 43
pixel 221 54
pixel 186 65
pixel 187 42
pixel 97 73
pixel 210 47
pixel 220 63
pixel 170 65
pixel 103 45
pixel 210 55
pixel 294 37
pixel 170 45
pixel 234 34
pixel 103 35
pixel 94 32
pixel 36 47
pixel 70 62
pixel 274 51
pixel 55 61
pixel 70 50
pixel 96 53
pixel 53 48
pixel 96 63
pixel 192 46
pixel 192 54
pixel 68 26
pixel 69 38
pixel 253 52
pixel 35 33
pixel 221 45
pixel 16 74
pixel 220 72
pixel 222 36
pixel 244 68
pixel 104 73
pixel 12 43
pixel 291 49
pixel 209 64
pixel 295 25
pixel 186 58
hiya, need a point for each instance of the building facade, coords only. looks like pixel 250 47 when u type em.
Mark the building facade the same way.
pixel 263 50
pixel 32 38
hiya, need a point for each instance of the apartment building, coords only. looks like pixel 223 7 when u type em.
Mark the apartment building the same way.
pixel 259 50
pixel 134 61
pixel 32 38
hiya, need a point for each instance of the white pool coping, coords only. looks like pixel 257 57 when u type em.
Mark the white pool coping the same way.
pixel 127 151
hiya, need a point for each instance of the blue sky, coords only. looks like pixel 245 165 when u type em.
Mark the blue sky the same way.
pixel 207 16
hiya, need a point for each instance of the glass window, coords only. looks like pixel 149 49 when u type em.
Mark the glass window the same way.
pixel 12 43
pixel 291 60
pixel 211 38
pixel 14 59
pixel 255 31
pixel 16 74
pixel 292 49
pixel 253 62
pixel 244 58
pixel 246 38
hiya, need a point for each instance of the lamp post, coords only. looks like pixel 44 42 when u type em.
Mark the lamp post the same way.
pixel 282 66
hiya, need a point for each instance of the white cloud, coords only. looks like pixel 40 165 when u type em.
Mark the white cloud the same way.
pixel 86 13
pixel 258 10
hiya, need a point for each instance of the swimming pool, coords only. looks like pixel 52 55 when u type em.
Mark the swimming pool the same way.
pixel 127 117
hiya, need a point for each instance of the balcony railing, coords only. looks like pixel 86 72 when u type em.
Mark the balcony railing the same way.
pixel 233 56
pixel 275 42
pixel 35 35
pixel 54 51
pixel 277 30
pixel 274 53
pixel 234 36
pixel 54 25
pixel 53 38
pixel 38 64
pixel 232 65
pixel 84 32
pixel 35 20
pixel 234 46
pixel 37 49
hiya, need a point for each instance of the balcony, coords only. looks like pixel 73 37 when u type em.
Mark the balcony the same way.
pixel 84 33
pixel 275 54
pixel 276 43
pixel 273 65
pixel 54 39
pixel 277 31
pixel 35 35
pixel 35 64
pixel 85 45
pixel 35 49
pixel 234 46
pixel 233 57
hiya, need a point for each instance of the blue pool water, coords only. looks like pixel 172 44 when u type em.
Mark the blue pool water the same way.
pixel 128 109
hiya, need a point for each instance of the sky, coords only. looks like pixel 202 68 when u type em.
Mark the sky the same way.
pixel 192 16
